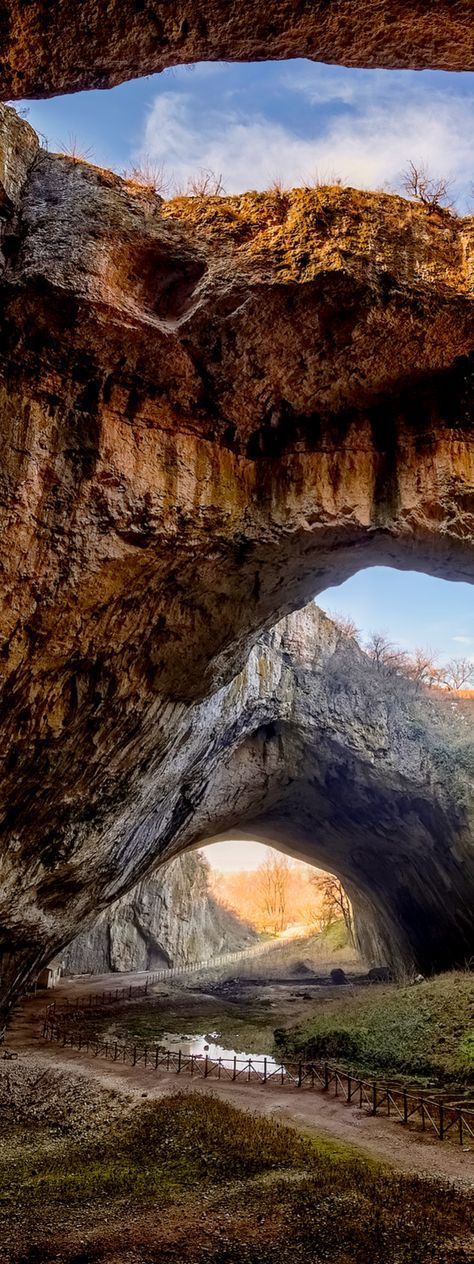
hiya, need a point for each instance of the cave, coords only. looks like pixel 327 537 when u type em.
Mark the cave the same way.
pixel 210 410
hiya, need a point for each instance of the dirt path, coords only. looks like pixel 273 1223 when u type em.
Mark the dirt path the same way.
pixel 378 1138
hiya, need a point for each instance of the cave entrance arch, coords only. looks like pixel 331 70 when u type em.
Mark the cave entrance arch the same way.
pixel 379 935
pixel 171 496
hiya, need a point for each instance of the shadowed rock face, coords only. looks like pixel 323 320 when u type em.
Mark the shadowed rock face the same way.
pixel 127 38
pixel 210 409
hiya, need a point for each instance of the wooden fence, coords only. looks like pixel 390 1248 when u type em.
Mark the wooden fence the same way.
pixel 111 996
pixel 432 1111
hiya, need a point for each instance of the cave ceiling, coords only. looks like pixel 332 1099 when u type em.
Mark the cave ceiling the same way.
pixel 55 46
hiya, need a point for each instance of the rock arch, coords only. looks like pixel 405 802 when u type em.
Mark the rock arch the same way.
pixel 40 41
pixel 210 409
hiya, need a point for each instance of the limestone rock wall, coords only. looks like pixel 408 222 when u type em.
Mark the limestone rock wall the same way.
pixel 124 39
pixel 210 409
pixel 170 919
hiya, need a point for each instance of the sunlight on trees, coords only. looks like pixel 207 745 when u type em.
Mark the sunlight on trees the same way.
pixel 282 893
pixel 422 666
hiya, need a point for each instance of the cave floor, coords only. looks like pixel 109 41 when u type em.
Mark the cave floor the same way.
pixel 319 1115
pixel 90 1171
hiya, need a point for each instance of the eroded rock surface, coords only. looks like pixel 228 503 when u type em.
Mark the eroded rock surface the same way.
pixel 54 46
pixel 169 919
pixel 210 409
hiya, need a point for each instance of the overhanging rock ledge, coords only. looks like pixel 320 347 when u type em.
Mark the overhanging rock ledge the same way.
pixel 210 409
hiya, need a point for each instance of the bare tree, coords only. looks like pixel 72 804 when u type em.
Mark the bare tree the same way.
pixel 272 878
pixel 422 667
pixel 385 654
pixel 432 191
pixel 205 184
pixel 336 903
pixel 458 672
pixel 345 624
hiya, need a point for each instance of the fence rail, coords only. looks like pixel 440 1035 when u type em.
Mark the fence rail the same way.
pixel 111 996
pixel 434 1112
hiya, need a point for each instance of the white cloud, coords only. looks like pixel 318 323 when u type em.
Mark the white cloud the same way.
pixel 367 146
pixel 463 640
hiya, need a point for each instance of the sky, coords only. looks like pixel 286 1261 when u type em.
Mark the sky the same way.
pixel 413 609
pixel 296 122
pixel 237 854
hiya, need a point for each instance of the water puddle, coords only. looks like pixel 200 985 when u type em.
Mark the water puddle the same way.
pixel 202 1044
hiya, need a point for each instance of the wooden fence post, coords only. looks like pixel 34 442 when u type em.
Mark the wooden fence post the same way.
pixel 374 1098
pixel 300 1074
pixel 264 1070
pixel 179 1061
pixel 234 1077
pixel 405 1106
pixel 326 1077
pixel 205 1067
pixel 134 1063
pixel 441 1121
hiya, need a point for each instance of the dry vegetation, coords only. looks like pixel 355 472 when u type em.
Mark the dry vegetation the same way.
pixel 192 1179
pixel 282 893
pixel 422 667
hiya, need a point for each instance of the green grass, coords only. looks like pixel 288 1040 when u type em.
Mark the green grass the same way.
pixel 182 1140
pixel 421 1033
pixel 269 1193
pixel 424 1031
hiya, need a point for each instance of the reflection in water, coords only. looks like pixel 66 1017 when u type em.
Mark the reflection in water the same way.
pixel 202 1044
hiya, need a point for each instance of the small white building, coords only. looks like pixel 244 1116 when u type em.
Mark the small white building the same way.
pixel 49 976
